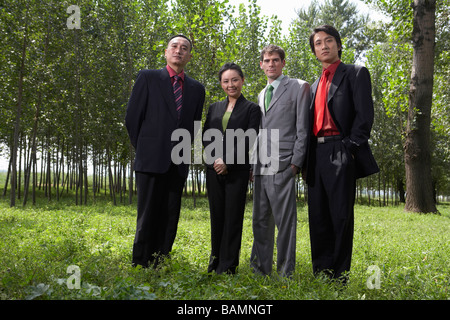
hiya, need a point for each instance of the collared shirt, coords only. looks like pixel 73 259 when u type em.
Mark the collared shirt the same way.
pixel 275 84
pixel 173 73
pixel 329 128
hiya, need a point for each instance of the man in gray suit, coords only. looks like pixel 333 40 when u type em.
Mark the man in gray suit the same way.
pixel 284 134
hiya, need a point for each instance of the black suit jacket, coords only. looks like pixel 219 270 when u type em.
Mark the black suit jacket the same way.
pixel 351 107
pixel 246 115
pixel 152 117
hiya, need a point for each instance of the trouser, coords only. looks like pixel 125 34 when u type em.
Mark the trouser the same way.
pixel 159 204
pixel 226 195
pixel 331 198
pixel 274 204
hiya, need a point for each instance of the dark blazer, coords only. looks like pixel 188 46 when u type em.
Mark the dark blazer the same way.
pixel 351 107
pixel 152 117
pixel 246 115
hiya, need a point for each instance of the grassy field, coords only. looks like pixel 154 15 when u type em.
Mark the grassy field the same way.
pixel 38 244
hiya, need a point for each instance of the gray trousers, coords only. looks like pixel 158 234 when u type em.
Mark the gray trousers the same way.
pixel 274 204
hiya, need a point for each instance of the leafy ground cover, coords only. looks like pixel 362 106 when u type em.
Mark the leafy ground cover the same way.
pixel 46 249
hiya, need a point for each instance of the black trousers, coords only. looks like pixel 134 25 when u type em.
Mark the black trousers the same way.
pixel 226 195
pixel 159 203
pixel 331 198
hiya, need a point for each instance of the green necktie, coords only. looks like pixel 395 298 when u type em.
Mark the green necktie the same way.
pixel 268 96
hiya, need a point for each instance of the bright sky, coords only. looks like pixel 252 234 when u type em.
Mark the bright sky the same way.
pixel 285 9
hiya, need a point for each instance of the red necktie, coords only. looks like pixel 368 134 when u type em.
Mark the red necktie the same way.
pixel 321 102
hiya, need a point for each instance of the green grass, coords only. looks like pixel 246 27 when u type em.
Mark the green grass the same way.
pixel 38 244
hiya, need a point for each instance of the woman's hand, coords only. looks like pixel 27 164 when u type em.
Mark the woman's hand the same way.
pixel 220 166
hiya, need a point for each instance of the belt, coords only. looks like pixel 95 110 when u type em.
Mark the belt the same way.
pixel 328 138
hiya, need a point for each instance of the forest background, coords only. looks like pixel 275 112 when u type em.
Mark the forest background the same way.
pixel 65 89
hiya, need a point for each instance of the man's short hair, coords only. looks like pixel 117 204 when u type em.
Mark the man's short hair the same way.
pixel 181 36
pixel 270 49
pixel 328 30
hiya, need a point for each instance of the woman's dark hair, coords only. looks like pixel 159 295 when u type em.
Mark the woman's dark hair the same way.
pixel 230 66
pixel 328 30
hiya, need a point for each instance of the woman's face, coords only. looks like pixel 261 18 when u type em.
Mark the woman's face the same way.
pixel 232 83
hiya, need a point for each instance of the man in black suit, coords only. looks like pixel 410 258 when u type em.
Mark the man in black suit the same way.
pixel 161 102
pixel 341 117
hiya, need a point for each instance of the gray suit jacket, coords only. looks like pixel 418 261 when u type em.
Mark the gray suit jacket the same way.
pixel 288 114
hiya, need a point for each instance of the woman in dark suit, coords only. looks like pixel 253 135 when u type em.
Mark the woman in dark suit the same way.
pixel 228 170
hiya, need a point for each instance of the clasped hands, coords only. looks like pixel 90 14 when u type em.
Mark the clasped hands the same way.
pixel 220 166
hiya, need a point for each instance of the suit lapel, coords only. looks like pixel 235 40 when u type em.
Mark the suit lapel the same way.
pixel 261 101
pixel 313 93
pixel 338 76
pixel 222 107
pixel 236 109
pixel 279 92
pixel 188 93
pixel 166 88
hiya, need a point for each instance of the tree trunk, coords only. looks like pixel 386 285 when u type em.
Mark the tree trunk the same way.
pixel 417 145
pixel 7 176
pixel 48 185
pixel 86 182
pixel 15 145
pixel 111 179
pixel 401 189
pixel 193 187
pixel 32 159
pixel 130 182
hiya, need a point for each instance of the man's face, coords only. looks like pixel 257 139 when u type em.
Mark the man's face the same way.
pixel 272 65
pixel 178 53
pixel 326 48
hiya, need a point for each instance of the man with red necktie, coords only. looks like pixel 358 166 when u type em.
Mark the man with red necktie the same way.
pixel 338 154
pixel 161 101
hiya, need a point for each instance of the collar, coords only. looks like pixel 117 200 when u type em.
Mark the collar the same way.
pixel 241 97
pixel 173 73
pixel 332 67
pixel 276 82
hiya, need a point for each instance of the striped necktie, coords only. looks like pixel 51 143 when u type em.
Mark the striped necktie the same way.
pixel 178 94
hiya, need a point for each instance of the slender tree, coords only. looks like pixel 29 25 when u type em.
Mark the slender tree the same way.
pixel 15 145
